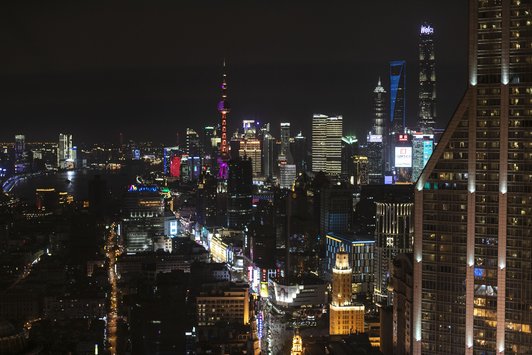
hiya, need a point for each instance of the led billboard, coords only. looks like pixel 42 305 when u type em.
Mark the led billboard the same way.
pixel 403 157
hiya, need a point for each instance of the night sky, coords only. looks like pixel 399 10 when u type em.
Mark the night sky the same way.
pixel 151 68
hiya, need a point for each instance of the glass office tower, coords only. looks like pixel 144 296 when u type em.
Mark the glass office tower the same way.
pixel 473 229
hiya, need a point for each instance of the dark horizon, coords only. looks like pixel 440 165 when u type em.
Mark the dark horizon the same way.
pixel 149 70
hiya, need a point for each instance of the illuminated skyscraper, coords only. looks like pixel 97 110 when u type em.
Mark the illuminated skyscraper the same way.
pixel 64 150
pixel 142 219
pixel 250 147
pixel 209 143
pixel 379 119
pixel 285 143
pixel 192 147
pixel 327 144
pixel 377 136
pixel 427 79
pixel 349 150
pixel 287 176
pixel 422 147
pixel 300 153
pixel 239 193
pixel 20 147
pixel 345 317
pixel 397 96
pixel 394 234
pixel 268 145
pixel 473 201
pixel 360 173
pixel 223 108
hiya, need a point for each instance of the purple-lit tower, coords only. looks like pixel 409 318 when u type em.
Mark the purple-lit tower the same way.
pixel 223 108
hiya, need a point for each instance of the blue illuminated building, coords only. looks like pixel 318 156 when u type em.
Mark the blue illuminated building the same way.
pixel 397 96
pixel 361 251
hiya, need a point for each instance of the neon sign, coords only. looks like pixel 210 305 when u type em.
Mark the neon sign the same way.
pixel 141 188
pixel 427 30
pixel 403 138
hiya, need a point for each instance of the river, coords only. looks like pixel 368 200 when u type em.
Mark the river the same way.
pixel 76 183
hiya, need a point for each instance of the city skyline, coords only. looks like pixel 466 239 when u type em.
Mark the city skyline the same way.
pixel 70 77
pixel 266 178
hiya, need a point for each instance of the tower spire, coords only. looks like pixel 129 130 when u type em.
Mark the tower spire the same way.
pixel 223 108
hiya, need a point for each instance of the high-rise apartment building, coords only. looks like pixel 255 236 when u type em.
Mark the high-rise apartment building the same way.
pixel 327 144
pixel 427 79
pixel 345 317
pixel 473 218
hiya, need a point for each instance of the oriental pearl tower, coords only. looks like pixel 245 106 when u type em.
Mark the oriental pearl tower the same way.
pixel 223 108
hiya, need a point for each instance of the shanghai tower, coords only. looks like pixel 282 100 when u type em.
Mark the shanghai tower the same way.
pixel 427 79
pixel 473 201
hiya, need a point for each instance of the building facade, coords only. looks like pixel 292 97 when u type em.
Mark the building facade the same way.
pixel 397 122
pixel 362 251
pixel 345 317
pixel 239 193
pixel 64 150
pixel 394 234
pixel 250 148
pixel 229 304
pixel 142 220
pixel 473 224
pixel 327 144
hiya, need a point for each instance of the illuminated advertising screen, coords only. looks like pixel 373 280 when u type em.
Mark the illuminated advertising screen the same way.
pixel 427 151
pixel 375 138
pixel 403 157
pixel 173 227
pixel 175 166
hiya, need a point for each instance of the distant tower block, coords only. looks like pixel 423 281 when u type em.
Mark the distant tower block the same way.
pixel 427 79
pixel 223 108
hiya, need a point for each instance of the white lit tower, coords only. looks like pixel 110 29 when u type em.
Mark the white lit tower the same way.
pixel 379 123
pixel 377 137
pixel 223 108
